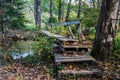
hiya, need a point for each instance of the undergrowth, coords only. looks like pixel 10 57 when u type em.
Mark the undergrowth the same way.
pixel 43 50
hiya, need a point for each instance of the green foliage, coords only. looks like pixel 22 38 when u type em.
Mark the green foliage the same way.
pixel 9 57
pixel 30 26
pixel 43 50
pixel 13 13
pixel 116 50
pixel 61 30
pixel 89 15
pixel 91 36
pixel 117 44
pixel 31 59
pixel 91 33
pixel 73 15
pixel 53 20
pixel 43 46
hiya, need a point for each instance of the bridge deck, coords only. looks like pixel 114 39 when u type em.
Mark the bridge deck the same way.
pixel 59 37
pixel 60 58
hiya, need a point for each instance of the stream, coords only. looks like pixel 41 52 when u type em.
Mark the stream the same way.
pixel 20 49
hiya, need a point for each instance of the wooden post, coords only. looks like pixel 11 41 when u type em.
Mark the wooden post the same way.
pixel 71 32
pixel 80 34
pixel 79 31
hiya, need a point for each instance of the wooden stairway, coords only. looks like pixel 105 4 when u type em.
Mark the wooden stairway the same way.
pixel 72 59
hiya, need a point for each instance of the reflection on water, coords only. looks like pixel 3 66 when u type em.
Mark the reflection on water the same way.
pixel 20 49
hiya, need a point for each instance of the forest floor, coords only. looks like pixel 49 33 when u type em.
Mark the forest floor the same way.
pixel 110 71
pixel 18 72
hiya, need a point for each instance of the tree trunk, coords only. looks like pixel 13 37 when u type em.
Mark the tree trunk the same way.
pixel 62 10
pixel 98 3
pixel 94 5
pixel 67 18
pixel 79 9
pixel 37 14
pixel 80 35
pixel 103 43
pixel 3 37
pixel 59 11
pixel 51 10
pixel 68 11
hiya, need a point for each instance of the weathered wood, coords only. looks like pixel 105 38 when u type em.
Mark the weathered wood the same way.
pixel 60 58
pixel 74 48
pixel 65 23
pixel 58 37
pixel 47 33
pixel 82 72
pixel 71 32
pixel 65 39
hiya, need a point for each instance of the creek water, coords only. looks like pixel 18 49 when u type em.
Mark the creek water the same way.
pixel 20 49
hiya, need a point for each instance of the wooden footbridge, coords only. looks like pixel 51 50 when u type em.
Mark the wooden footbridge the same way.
pixel 72 59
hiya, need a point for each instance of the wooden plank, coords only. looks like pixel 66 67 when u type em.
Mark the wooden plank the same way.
pixel 69 29
pixel 47 33
pixel 65 23
pixel 65 39
pixel 82 72
pixel 58 37
pixel 59 58
pixel 74 46
pixel 77 48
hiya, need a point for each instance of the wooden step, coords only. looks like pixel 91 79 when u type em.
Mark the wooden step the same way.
pixel 74 48
pixel 81 72
pixel 59 58
pixel 65 39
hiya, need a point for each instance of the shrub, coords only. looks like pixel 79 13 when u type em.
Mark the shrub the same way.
pixel 53 20
pixel 43 46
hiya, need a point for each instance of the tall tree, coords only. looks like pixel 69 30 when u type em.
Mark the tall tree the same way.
pixel 79 9
pixel 94 3
pixel 78 16
pixel 51 8
pixel 103 43
pixel 68 11
pixel 67 18
pixel 37 14
pixel 80 35
pixel 59 10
